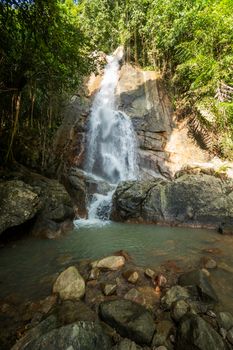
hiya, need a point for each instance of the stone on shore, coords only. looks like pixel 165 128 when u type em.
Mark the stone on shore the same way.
pixel 70 285
pixel 130 319
pixel 110 262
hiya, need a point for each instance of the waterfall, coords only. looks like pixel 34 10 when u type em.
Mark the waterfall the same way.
pixel 111 143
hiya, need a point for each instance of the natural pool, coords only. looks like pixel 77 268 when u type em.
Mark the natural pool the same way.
pixel 27 266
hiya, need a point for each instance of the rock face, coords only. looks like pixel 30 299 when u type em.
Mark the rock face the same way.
pixel 195 200
pixel 130 319
pixel 141 95
pixel 69 284
pixel 28 195
pixel 18 203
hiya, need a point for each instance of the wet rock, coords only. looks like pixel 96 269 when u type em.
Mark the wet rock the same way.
pixel 223 333
pixel 179 309
pixel 131 276
pixel 162 333
pixel 160 348
pixel 160 280
pixel 199 279
pixel 126 344
pixel 149 273
pixel 109 289
pixel 78 336
pixel 130 319
pixel 190 199
pixel 174 294
pixel 195 333
pixel 43 327
pixel 70 311
pixel 69 284
pixel 230 336
pixel 225 320
pixel 110 262
pixel 18 202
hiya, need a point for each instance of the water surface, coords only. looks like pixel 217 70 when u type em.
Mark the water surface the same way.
pixel 27 266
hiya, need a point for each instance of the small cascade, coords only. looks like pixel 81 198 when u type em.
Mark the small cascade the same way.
pixel 111 144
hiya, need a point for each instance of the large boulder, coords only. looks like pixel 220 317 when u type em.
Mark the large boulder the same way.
pixel 196 334
pixel 200 280
pixel 69 285
pixel 79 336
pixel 130 319
pixel 18 203
pixel 195 200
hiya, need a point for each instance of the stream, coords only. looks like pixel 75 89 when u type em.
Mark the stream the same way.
pixel 29 266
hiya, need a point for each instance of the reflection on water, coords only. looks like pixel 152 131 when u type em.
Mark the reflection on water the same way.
pixel 28 266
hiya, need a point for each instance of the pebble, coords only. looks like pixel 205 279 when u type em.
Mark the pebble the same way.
pixel 149 273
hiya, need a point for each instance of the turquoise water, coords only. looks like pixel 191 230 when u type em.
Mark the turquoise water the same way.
pixel 28 266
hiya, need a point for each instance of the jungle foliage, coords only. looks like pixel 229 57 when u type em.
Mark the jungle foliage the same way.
pixel 45 51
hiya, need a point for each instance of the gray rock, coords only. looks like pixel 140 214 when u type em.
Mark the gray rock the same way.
pixel 130 319
pixel 196 334
pixel 191 199
pixel 43 327
pixel 69 284
pixel 199 279
pixel 179 309
pixel 18 203
pixel 78 336
pixel 225 320
pixel 174 294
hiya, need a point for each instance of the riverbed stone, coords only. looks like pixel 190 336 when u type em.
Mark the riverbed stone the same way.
pixel 199 279
pixel 179 309
pixel 195 333
pixel 70 284
pixel 110 263
pixel 174 294
pixel 225 320
pixel 130 319
pixel 131 276
pixel 149 273
pixel 70 311
pixel 79 336
pixel 109 289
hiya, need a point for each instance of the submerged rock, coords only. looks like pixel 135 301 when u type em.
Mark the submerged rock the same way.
pixel 199 279
pixel 130 319
pixel 110 262
pixel 195 333
pixel 126 344
pixel 69 284
pixel 163 330
pixel 225 320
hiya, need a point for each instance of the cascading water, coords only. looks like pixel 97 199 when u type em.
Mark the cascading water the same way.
pixel 111 140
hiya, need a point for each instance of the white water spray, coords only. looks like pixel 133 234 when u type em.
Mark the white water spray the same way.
pixel 111 140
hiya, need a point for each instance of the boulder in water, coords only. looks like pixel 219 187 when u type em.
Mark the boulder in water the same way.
pixel 70 284
pixel 110 262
